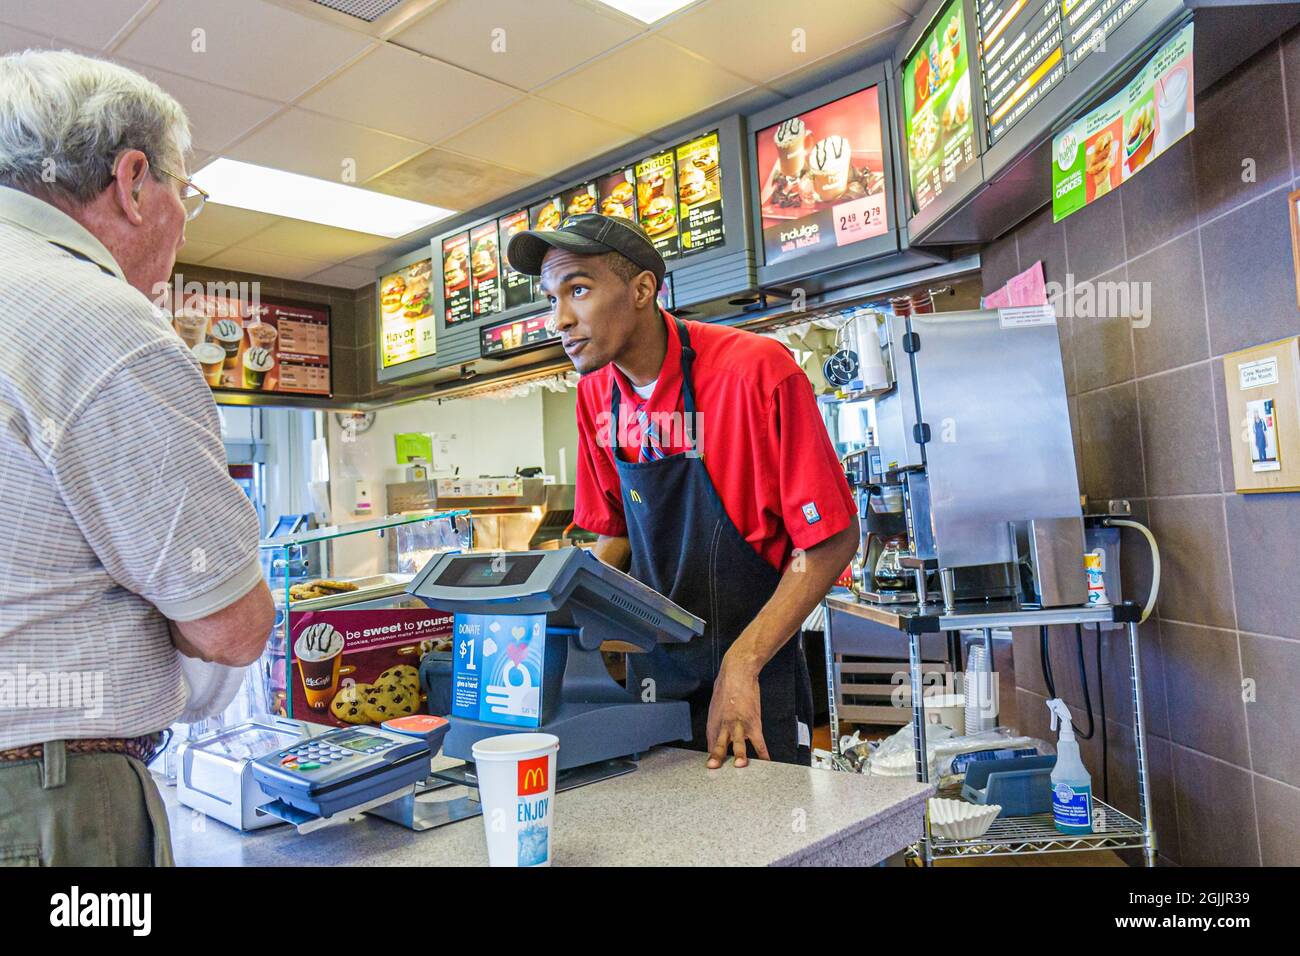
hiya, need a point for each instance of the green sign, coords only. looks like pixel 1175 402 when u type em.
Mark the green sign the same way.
pixel 413 445
pixel 937 115
pixel 1113 142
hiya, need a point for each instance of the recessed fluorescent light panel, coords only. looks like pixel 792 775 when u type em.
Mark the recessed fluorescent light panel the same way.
pixel 232 183
pixel 647 11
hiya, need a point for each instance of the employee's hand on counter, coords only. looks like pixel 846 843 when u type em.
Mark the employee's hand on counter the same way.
pixel 735 712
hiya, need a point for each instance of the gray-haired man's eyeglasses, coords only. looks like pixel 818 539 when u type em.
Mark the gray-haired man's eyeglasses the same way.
pixel 192 197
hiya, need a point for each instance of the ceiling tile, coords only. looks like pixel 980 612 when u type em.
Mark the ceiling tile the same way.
pixel 646 84
pixel 226 225
pixel 542 38
pixel 410 95
pixel 756 38
pixel 13 40
pixel 247 45
pixel 450 180
pixel 344 277
pixel 539 137
pixel 195 251
pixel 310 240
pixel 264 263
pixel 218 116
pixel 85 24
pixel 832 67
pixel 320 146
pixel 374 260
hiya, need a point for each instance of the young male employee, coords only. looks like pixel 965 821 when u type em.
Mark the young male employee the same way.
pixel 707 471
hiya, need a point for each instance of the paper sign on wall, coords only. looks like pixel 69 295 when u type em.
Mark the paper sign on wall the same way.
pixel 1255 374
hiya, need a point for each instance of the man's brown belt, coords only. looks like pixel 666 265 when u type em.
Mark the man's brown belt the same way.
pixel 143 748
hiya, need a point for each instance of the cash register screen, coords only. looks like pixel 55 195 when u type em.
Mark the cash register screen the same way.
pixel 488 571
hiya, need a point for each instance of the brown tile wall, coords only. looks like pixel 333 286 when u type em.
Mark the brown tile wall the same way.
pixel 1214 250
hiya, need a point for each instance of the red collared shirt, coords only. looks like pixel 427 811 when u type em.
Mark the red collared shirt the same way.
pixel 759 431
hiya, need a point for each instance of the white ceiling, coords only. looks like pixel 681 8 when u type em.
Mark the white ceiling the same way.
pixel 451 102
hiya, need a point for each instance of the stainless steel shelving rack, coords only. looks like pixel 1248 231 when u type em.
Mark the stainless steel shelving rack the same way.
pixel 1008 835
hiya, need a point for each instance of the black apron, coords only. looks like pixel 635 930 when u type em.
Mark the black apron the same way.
pixel 686 547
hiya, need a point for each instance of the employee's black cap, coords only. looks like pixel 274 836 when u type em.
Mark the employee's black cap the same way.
pixel 587 234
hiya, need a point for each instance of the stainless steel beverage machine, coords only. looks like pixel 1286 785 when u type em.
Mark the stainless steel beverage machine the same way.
pixel 968 489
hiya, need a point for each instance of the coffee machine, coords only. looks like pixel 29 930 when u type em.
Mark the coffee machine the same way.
pixel 971 456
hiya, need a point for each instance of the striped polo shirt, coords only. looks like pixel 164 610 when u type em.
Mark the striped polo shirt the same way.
pixel 119 513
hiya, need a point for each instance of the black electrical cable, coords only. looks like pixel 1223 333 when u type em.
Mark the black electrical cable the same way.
pixel 1101 694
pixel 1083 679
pixel 1045 661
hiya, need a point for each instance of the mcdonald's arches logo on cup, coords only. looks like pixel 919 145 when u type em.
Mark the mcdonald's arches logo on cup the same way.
pixel 532 776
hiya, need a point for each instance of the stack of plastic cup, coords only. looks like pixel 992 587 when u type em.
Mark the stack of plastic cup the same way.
pixel 516 785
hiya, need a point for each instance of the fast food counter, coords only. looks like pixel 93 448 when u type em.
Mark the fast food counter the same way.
pixel 671 811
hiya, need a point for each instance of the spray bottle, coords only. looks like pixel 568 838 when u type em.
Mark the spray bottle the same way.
pixel 1071 783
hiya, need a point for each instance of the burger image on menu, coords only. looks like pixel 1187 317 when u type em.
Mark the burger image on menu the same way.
pixel 548 215
pixel 483 260
pixel 416 300
pixel 617 195
pixel 391 294
pixel 658 216
pixel 453 269
pixel 580 200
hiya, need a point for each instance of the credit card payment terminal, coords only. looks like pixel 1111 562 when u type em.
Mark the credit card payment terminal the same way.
pixel 348 768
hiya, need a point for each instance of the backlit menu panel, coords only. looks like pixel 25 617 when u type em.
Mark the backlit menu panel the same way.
pixel 1027 47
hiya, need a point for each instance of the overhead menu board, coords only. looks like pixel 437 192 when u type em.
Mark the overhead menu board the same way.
pixel 937 116
pixel 455 278
pixel 258 345
pixel 1028 46
pixel 699 190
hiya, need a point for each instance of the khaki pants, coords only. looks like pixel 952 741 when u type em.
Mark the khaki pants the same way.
pixel 81 810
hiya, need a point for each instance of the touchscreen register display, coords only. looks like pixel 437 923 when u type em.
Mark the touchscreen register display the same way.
pixel 488 571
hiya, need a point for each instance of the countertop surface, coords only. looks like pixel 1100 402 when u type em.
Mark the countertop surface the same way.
pixel 671 811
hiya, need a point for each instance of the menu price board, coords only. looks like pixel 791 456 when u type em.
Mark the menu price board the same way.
pixel 699 190
pixel 517 288
pixel 545 215
pixel 507 338
pixel 617 193
pixel 406 319
pixel 456 295
pixel 1117 139
pixel 656 201
pixel 485 270
pixel 822 175
pixel 1028 47
pixel 937 118
pixel 260 345
pixel 1022 57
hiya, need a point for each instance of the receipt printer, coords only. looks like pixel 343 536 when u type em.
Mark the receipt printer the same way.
pixel 529 630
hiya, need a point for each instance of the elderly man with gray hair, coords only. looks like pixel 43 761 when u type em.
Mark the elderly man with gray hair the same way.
pixel 127 541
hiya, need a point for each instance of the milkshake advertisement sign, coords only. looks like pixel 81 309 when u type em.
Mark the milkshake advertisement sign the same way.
pixel 497 668
pixel 1113 142
pixel 822 180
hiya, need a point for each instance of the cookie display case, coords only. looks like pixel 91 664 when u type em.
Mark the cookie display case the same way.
pixel 348 639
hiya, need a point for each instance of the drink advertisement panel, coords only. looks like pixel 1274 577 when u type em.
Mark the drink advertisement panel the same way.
pixel 361 667
pixel 937 118
pixel 485 269
pixel 257 345
pixel 699 190
pixel 656 201
pixel 456 294
pixel 822 180
pixel 617 193
pixel 518 288
pixel 406 318
pixel 1110 144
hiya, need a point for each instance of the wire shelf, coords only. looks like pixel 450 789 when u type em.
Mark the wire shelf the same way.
pixel 1038 834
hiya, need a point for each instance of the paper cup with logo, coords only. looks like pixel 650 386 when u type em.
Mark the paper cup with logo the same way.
pixel 516 785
